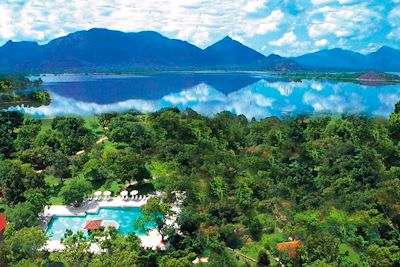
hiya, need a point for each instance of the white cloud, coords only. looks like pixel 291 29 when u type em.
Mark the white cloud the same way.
pixel 317 86
pixel 394 34
pixel 334 103
pixel 321 43
pixel 394 21
pixel 254 5
pixel 199 93
pixel 6 30
pixel 284 88
pixel 351 24
pixel 288 39
pixel 264 25
pixel 342 2
pixel 320 2
pixel 66 106
pixel 198 21
pixel 355 21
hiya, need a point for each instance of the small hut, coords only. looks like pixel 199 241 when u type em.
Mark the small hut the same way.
pixel 92 225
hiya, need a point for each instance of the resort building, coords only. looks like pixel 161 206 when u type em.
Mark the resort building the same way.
pixel 3 225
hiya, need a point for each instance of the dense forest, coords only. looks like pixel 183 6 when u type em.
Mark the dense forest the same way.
pixel 329 182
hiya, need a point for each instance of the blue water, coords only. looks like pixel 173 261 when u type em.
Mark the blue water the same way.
pixel 124 216
pixel 254 94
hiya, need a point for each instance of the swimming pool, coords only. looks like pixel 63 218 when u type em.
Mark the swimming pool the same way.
pixel 123 216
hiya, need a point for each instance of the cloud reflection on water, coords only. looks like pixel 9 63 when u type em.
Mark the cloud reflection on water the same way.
pixel 260 99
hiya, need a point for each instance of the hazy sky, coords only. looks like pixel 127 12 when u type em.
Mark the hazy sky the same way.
pixel 286 27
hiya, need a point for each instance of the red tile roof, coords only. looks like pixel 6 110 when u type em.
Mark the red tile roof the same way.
pixel 290 248
pixel 3 223
pixel 92 225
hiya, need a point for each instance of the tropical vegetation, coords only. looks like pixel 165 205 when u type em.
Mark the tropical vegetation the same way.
pixel 331 182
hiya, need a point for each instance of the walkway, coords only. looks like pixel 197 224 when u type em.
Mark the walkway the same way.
pixel 92 206
pixel 99 141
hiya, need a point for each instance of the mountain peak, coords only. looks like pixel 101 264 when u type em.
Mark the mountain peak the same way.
pixel 99 30
pixel 11 43
pixel 275 56
pixel 226 41
pixel 385 49
pixel 227 38
pixel 228 51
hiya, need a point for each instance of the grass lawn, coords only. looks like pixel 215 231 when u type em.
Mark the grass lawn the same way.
pixel 55 184
pixel 3 206
pixel 93 123
pixel 46 124
pixel 266 240
pixel 252 250
pixel 353 257
pixel 114 187
pixel 56 201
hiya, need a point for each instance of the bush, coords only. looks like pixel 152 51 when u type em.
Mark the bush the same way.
pixel 263 258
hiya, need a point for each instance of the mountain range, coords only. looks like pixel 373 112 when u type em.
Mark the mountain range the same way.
pixel 108 50
pixel 384 59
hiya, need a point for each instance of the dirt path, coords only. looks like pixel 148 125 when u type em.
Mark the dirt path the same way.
pixel 99 141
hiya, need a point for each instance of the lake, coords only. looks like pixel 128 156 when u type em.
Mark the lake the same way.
pixel 254 94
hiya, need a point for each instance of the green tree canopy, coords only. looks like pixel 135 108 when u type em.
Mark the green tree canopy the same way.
pixel 25 244
pixel 154 213
pixel 75 190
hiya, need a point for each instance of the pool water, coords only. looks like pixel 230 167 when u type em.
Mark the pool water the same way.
pixel 123 216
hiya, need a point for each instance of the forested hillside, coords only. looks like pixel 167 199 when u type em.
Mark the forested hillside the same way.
pixel 330 182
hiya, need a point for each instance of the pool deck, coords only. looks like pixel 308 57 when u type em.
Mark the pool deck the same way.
pixel 92 206
pixel 151 241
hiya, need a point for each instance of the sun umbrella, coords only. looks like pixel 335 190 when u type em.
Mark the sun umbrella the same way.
pixel 134 192
pixel 92 224
pixel 98 193
pixel 107 193
pixel 124 193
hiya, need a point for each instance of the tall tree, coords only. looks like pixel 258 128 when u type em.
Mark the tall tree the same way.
pixel 154 213
pixel 25 244
pixel 75 190
pixel 16 178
